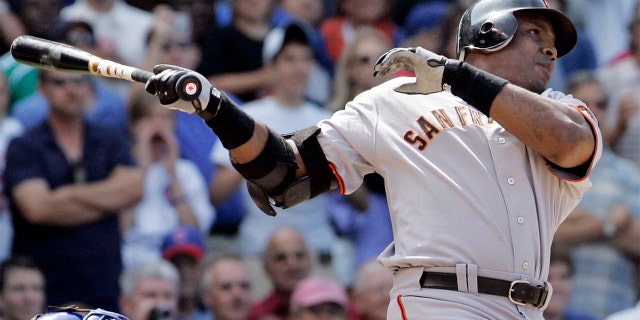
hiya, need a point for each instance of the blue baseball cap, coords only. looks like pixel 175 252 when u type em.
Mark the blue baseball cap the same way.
pixel 425 16
pixel 183 240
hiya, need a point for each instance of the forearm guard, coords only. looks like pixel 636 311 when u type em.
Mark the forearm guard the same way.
pixel 271 177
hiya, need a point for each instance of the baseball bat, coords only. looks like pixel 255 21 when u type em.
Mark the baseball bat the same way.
pixel 47 54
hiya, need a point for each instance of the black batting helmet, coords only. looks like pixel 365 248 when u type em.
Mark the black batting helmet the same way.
pixel 489 25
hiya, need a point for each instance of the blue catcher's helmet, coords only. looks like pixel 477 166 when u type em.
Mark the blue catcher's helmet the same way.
pixel 489 25
pixel 71 313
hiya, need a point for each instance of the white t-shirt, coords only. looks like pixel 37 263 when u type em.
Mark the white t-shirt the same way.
pixel 155 216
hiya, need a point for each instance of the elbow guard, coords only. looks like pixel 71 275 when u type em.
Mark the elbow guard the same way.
pixel 271 177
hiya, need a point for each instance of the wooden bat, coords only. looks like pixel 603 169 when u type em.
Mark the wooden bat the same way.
pixel 46 54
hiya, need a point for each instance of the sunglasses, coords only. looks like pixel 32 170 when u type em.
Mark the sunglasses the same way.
pixel 326 308
pixel 364 60
pixel 175 44
pixel 77 38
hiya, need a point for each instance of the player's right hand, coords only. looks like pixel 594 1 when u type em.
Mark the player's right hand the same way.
pixel 179 88
pixel 428 67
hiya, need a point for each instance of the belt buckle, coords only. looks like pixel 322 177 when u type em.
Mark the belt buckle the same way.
pixel 513 283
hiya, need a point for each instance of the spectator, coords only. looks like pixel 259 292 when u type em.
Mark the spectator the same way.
pixel 319 298
pixel 582 57
pixel 286 262
pixel 338 31
pixel 149 291
pixel 352 71
pixel 607 22
pixel 169 43
pixel 202 14
pixel 120 31
pixel 67 181
pixel 603 232
pixel 102 105
pixel 232 54
pixel 22 294
pixel 10 26
pixel 307 13
pixel 621 82
pixel 288 54
pixel 370 291
pixel 185 248
pixel 561 277
pixel 226 288
pixel 174 191
pixel 362 218
pixel 38 18
pixel 9 129
pixel 446 38
pixel 422 24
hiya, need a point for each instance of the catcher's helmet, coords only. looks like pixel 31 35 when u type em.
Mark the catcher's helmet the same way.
pixel 489 25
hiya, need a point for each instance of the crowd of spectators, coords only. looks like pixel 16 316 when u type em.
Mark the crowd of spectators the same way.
pixel 100 183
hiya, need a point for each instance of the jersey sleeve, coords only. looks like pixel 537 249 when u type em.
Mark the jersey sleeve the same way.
pixel 572 102
pixel 348 140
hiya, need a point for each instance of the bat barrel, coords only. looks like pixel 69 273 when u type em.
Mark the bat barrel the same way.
pixel 47 54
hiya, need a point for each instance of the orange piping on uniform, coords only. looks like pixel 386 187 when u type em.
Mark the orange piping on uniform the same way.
pixel 580 109
pixel 341 186
pixel 402 310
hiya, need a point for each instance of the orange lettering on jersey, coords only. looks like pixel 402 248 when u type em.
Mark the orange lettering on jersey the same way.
pixel 427 127
pixel 477 117
pixel 443 119
pixel 463 115
pixel 410 137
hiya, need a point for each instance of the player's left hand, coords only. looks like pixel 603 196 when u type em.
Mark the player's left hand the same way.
pixel 428 67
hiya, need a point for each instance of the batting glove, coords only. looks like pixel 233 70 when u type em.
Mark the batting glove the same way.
pixel 428 67
pixel 181 89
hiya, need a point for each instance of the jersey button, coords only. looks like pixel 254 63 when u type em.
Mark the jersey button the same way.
pixel 520 220
pixel 525 265
pixel 511 181
pixel 502 140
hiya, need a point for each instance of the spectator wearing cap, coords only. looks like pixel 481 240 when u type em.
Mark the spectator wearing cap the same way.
pixel 288 54
pixel 318 298
pixel 103 106
pixel 185 248
pixel 422 24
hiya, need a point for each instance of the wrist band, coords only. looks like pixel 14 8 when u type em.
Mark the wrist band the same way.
pixel 477 87
pixel 230 123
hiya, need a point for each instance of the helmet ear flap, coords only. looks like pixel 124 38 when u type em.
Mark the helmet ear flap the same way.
pixel 489 34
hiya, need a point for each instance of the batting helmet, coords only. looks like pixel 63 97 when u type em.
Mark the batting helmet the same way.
pixel 489 25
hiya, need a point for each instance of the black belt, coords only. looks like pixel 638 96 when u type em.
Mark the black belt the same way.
pixel 520 292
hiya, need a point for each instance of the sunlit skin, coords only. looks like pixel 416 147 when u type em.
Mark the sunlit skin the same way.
pixel 67 93
pixel 529 59
pixel 229 294
pixel 292 67
pixel 23 295
pixel 287 260
pixel 150 292
pixel 373 298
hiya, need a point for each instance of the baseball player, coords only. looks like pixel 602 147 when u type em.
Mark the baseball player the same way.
pixel 481 163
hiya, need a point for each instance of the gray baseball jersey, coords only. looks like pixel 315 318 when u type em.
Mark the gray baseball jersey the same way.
pixel 461 191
